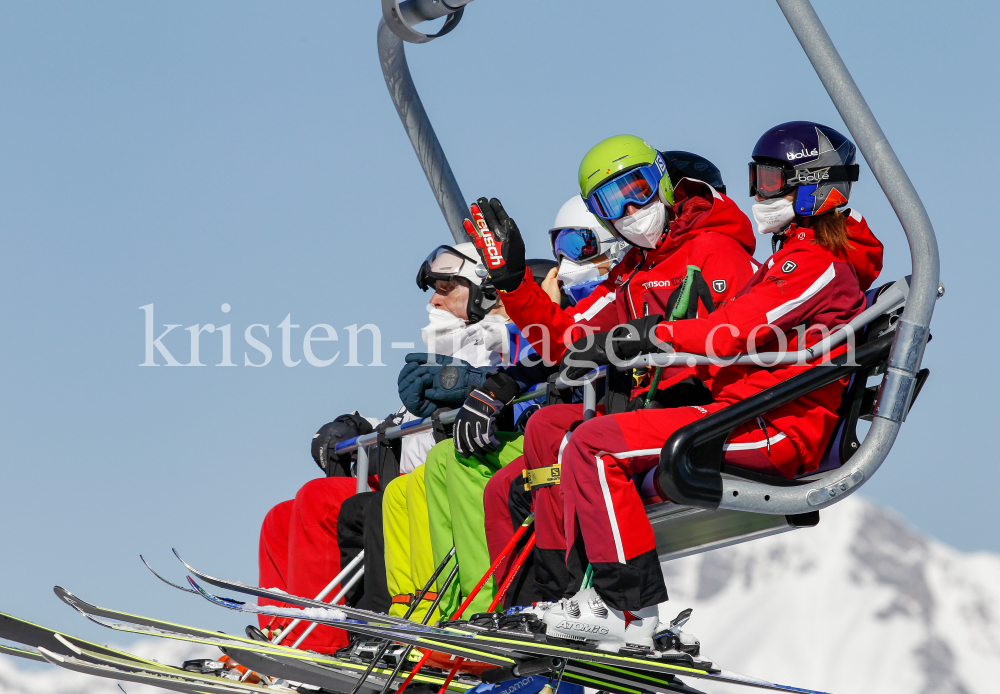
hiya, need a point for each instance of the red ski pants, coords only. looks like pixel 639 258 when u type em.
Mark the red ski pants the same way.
pixel 597 499
pixel 299 553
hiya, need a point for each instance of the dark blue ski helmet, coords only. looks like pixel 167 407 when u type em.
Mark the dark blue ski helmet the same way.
pixel 814 160
pixel 682 164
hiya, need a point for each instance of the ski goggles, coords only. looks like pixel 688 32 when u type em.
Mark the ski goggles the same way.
pixel 637 186
pixel 573 243
pixel 444 263
pixel 770 181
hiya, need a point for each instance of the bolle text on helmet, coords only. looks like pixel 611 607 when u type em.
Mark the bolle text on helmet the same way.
pixel 802 154
pixel 805 177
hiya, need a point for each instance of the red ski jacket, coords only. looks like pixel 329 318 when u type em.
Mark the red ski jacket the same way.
pixel 803 284
pixel 708 231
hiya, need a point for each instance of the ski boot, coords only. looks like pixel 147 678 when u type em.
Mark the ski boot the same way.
pixel 586 618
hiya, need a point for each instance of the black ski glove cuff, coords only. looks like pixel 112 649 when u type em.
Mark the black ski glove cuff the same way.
pixel 511 282
pixel 636 337
pixel 501 387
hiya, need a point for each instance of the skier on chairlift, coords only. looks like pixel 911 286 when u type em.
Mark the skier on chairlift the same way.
pixel 801 174
pixel 687 233
pixel 302 543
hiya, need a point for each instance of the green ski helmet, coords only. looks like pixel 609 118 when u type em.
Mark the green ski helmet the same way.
pixel 635 171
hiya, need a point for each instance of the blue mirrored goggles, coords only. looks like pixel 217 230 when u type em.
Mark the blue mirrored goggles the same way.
pixel 637 186
pixel 574 243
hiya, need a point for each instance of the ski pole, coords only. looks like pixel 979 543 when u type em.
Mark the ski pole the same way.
pixel 409 611
pixel 406 652
pixel 475 591
pixel 522 557
pixel 323 593
pixel 341 593
pixel 489 572
pixel 678 312
pixel 528 546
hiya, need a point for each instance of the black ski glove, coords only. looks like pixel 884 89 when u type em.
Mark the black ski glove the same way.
pixel 499 243
pixel 475 426
pixel 627 341
pixel 344 427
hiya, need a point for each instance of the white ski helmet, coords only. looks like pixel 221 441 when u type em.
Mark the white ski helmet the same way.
pixel 577 238
pixel 461 260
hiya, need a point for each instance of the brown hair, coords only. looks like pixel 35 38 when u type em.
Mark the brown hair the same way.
pixel 830 230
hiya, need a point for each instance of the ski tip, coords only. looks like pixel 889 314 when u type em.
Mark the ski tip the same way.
pixel 68 598
pixel 53 658
pixel 74 649
pixel 181 560
pixel 169 583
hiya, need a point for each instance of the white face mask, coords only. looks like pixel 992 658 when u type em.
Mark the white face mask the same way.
pixel 644 228
pixel 773 215
pixel 440 334
pixel 572 273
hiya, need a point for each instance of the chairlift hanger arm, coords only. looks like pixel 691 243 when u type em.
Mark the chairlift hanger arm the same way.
pixel 394 28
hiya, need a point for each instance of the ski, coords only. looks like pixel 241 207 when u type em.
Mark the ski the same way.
pixel 168 582
pixel 156 627
pixel 21 653
pixel 279 661
pixel 337 674
pixel 281 596
pixel 512 645
pixel 62 644
pixel 30 634
pixel 585 672
pixel 163 681
pixel 195 678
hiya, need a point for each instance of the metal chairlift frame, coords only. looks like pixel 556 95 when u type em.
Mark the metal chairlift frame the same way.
pixel 740 509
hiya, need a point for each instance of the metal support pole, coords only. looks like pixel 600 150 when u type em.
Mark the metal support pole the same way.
pixel 420 131
pixel 589 398
pixel 903 197
pixel 341 593
pixel 323 593
pixel 896 391
pixel 361 469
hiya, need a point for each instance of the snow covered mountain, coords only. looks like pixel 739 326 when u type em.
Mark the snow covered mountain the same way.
pixel 860 604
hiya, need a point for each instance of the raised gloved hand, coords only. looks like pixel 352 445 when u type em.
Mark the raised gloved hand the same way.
pixel 475 426
pixel 344 427
pixel 628 340
pixel 499 243
pixel 424 386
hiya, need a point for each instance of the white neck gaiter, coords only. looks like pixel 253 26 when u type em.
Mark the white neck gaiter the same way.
pixel 442 333
pixel 480 344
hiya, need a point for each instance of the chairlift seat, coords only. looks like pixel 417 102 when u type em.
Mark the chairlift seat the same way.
pixel 692 468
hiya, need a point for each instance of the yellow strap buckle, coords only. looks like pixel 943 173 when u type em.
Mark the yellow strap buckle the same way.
pixel 542 477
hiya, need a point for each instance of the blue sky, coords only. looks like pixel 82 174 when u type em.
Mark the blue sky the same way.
pixel 191 155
